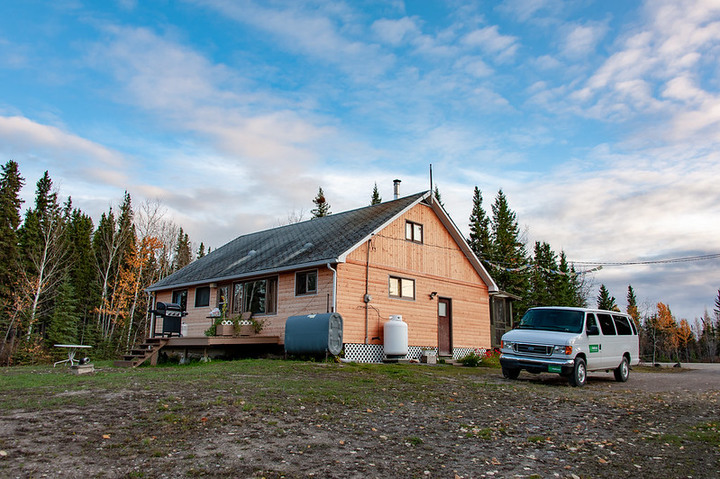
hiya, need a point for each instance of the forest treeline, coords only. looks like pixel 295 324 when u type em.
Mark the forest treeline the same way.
pixel 65 280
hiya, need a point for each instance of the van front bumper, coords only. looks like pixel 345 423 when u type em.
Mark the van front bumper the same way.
pixel 536 365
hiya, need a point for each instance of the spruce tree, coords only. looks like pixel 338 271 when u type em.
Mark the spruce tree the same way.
pixel 479 240
pixel 508 251
pixel 322 207
pixel 183 253
pixel 63 327
pixel 83 272
pixel 437 196
pixel 543 289
pixel 201 250
pixel 632 308
pixel 376 199
pixel 567 285
pixel 10 202
pixel 604 300
pixel 43 253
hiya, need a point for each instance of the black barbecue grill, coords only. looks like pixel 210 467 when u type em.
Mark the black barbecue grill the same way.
pixel 171 314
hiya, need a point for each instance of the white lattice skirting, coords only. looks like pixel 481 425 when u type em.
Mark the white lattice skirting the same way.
pixel 374 353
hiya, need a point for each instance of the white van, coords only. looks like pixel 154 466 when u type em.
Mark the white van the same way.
pixel 571 342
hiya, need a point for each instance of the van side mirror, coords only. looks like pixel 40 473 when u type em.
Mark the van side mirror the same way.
pixel 593 330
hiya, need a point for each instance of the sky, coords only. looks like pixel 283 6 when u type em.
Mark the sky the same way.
pixel 599 120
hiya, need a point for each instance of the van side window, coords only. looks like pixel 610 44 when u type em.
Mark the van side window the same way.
pixel 623 326
pixel 590 323
pixel 606 324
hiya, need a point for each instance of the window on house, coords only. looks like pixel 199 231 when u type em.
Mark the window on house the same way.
pixel 202 296
pixel 257 297
pixel 402 288
pixel 223 295
pixel 305 282
pixel 413 232
pixel 180 297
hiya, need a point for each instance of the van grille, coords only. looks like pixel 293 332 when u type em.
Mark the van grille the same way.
pixel 538 349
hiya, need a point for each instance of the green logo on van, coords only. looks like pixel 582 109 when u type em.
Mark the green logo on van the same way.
pixel 594 348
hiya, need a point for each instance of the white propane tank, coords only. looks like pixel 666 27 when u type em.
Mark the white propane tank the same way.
pixel 183 329
pixel 396 337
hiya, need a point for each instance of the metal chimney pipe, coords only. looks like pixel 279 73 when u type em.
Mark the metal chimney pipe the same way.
pixel 396 189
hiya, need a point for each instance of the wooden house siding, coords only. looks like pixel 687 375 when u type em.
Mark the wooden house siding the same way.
pixel 436 265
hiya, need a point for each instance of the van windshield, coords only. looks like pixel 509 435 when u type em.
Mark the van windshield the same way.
pixel 553 320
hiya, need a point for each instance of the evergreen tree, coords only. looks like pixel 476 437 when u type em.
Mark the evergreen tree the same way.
pixel 437 196
pixel 543 290
pixel 201 250
pixel 322 207
pixel 376 199
pixel 569 285
pixel 717 306
pixel 83 273
pixel 42 253
pixel 604 300
pixel 479 240
pixel 63 327
pixel 508 251
pixel 10 185
pixel 632 308
pixel 183 253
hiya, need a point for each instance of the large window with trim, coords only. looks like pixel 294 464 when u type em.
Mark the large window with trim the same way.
pixel 413 231
pixel 258 296
pixel 403 288
pixel 306 282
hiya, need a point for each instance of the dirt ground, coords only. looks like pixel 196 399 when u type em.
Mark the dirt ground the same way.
pixel 343 421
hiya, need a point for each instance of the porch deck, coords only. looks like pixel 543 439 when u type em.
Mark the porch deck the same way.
pixel 210 341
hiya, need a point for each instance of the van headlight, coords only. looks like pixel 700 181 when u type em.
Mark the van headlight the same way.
pixel 507 345
pixel 566 350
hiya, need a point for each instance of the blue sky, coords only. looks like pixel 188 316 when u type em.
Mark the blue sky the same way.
pixel 600 120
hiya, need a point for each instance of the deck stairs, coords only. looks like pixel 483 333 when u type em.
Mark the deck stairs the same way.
pixel 139 354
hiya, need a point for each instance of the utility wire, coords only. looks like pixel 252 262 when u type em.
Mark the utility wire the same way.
pixel 686 259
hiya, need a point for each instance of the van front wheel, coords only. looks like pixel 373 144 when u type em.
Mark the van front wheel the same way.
pixel 622 372
pixel 510 373
pixel 578 376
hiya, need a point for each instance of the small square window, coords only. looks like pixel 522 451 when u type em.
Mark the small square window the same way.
pixel 305 282
pixel 414 232
pixel 401 288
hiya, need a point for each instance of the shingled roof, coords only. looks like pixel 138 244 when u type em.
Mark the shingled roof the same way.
pixel 310 243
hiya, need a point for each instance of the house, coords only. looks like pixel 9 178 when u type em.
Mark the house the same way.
pixel 402 257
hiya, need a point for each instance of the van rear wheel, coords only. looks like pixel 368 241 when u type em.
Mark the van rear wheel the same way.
pixel 510 373
pixel 578 376
pixel 622 372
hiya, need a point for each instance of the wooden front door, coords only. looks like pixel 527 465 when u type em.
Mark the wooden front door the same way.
pixel 444 327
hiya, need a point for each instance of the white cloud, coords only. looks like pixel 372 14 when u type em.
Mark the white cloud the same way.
pixel 395 32
pixel 524 10
pixel 581 40
pixel 316 32
pixel 653 62
pixel 489 40
pixel 20 135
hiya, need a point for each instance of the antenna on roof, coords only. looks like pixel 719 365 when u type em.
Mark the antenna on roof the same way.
pixel 431 184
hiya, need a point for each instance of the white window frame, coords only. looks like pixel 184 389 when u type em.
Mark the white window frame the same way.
pixel 306 274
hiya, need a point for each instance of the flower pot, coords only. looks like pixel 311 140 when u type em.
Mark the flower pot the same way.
pixel 224 330
pixel 247 330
